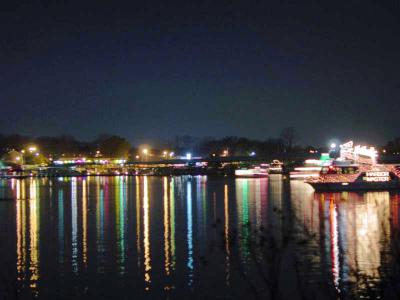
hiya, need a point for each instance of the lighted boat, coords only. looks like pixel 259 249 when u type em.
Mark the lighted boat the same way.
pixel 357 177
pixel 356 169
pixel 310 168
pixel 255 172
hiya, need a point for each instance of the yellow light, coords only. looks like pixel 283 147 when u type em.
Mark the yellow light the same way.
pixel 32 149
pixel 145 151
pixel 137 156
pixel 146 234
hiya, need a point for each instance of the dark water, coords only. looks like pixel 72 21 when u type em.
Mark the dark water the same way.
pixel 197 237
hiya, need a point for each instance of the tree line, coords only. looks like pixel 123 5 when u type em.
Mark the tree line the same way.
pixel 117 146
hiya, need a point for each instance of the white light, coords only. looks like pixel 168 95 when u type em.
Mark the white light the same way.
pixel 333 146
pixel 32 149
pixel 188 156
pixel 252 153
pixel 243 172
pixel 171 154
pixel 305 169
pixel 312 162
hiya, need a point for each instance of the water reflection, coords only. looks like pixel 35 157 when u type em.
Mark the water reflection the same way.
pixel 172 223
pixel 100 227
pixel 167 252
pixel 334 247
pixel 84 223
pixel 242 202
pixel 74 222
pixel 179 235
pixel 226 234
pixel 138 234
pixel 189 232
pixel 27 221
pixel 354 228
pixel 21 234
pixel 34 233
pixel 120 212
pixel 61 226
pixel 146 235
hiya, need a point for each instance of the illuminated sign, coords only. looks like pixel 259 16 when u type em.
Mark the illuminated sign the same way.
pixel 376 176
pixel 358 153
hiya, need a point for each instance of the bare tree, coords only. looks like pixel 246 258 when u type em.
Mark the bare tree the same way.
pixel 289 137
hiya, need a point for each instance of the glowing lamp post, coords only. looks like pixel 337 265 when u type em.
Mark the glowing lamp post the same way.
pixel 32 149
pixel 146 153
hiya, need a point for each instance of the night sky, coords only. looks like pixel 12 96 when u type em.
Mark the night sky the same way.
pixel 153 70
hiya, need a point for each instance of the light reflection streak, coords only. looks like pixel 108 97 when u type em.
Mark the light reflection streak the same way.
pixel 201 205
pixel 120 219
pixel 100 227
pixel 189 232
pixel 74 221
pixel 334 243
pixel 226 233
pixel 200 212
pixel 21 235
pixel 167 262
pixel 61 226
pixel 172 223
pixel 243 215
pixel 18 191
pixel 258 202
pixel 34 209
pixel 204 193
pixel 84 222
pixel 138 234
pixel 146 235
